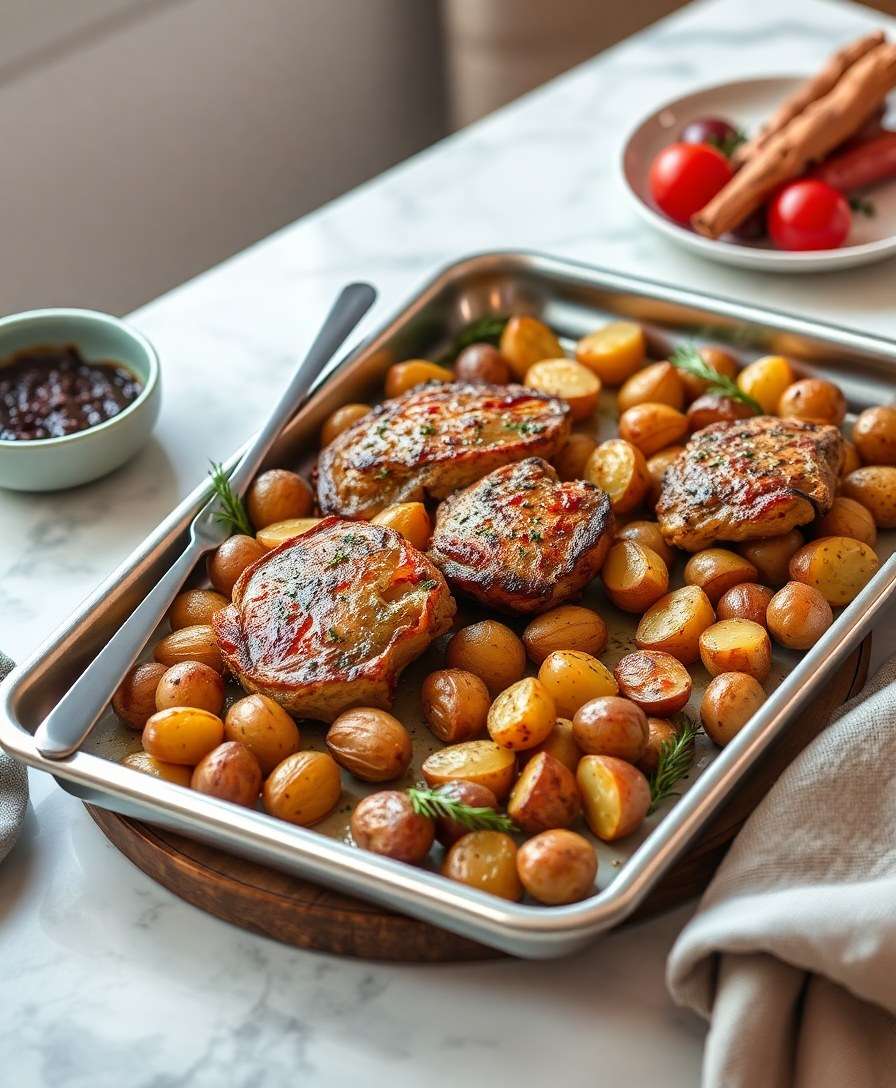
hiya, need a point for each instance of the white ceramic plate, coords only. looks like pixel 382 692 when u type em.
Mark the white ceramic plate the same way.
pixel 746 104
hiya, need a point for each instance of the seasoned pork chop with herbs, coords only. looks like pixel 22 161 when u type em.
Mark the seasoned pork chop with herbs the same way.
pixel 328 620
pixel 749 479
pixel 522 541
pixel 433 440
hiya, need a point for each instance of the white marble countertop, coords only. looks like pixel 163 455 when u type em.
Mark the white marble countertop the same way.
pixel 112 981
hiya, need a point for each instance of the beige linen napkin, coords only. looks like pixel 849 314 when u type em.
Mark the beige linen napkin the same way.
pixel 13 789
pixel 792 953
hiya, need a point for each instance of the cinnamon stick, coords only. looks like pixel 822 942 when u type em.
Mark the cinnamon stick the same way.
pixel 823 125
pixel 808 92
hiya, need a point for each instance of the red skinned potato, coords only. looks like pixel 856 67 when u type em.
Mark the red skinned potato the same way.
pixel 615 796
pixel 611 726
pixel 657 682
pixel 545 795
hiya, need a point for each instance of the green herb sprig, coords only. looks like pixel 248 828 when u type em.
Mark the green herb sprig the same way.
pixel 233 512
pixel 675 758
pixel 435 804
pixel 863 206
pixel 485 330
pixel 730 143
pixel 692 362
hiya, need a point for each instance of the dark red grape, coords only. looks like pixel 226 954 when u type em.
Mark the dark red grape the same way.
pixel 753 227
pixel 715 131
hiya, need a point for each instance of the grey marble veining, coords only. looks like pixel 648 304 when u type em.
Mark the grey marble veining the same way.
pixel 110 980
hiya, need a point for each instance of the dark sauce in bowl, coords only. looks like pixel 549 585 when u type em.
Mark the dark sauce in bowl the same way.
pixel 49 392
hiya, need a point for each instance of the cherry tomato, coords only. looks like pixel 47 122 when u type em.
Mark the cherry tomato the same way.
pixel 808 214
pixel 685 177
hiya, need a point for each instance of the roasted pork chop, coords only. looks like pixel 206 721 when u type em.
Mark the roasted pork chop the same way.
pixel 329 619
pixel 522 541
pixel 435 439
pixel 749 479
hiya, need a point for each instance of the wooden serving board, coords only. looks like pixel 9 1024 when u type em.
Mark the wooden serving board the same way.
pixel 296 912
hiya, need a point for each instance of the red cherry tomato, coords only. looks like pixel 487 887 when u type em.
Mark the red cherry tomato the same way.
pixel 685 177
pixel 808 215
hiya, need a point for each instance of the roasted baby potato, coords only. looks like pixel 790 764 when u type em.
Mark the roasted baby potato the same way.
pixel 400 377
pixel 567 627
pixel 621 470
pixel 798 616
pixel 455 705
pixel 371 744
pixel 656 468
pixel 771 557
pixel 557 867
pixel 196 643
pixel 848 518
pixel 489 650
pixel 448 831
pixel 716 570
pixel 169 772
pixel 722 362
pixel 615 796
pixel 660 731
pixel 278 495
pixel 837 566
pixel 674 624
pixel 634 576
pixel 736 646
pixel 135 700
pixel 195 606
pixel 274 535
pixel 813 399
pixel 659 383
pixel 611 726
pixel 874 435
pixel 572 678
pixel 526 341
pixel 190 683
pixel 304 788
pixel 851 459
pixel 570 462
pixel 766 379
pixel 614 352
pixel 875 488
pixel 522 715
pixel 544 796
pixel 408 518
pixel 182 735
pixel 265 728
pixel 559 743
pixel 486 860
pixel 747 601
pixel 480 761
pixel 341 420
pixel 652 427
pixel 230 560
pixel 656 681
pixel 715 408
pixel 482 364
pixel 387 824
pixel 568 380
pixel 730 700
pixel 647 533
pixel 230 772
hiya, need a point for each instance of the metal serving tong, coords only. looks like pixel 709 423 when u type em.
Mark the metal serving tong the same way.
pixel 71 720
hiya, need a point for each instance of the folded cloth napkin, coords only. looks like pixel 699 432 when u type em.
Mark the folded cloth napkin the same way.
pixel 792 952
pixel 13 789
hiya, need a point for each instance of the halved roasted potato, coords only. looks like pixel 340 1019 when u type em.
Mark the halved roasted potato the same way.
pixel 634 576
pixel 736 646
pixel 621 470
pixel 716 570
pixel 480 761
pixel 837 566
pixel 674 624
pixel 656 681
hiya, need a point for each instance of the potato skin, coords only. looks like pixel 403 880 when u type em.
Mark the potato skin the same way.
pixel 135 700
pixel 489 650
pixel 572 678
pixel 468 793
pixel 656 681
pixel 721 361
pixel 480 761
pixel 455 705
pixel 747 601
pixel 837 566
pixel 386 823
pixel 544 796
pixel 674 624
pixel 736 646
pixel 230 772
pixel 567 627
pixel 656 469
pixel 559 743
pixel 874 435
pixel 715 408
pixel 557 867
pixel 190 683
pixel 874 486
pixel 168 772
pixel 613 352
pixel 182 735
pixel 652 427
pixel 408 518
pixel 526 341
pixel 647 533
pixel 522 715
pixel 400 377
pixel 611 726
pixel 730 700
pixel 482 364
pixel 716 570
pixel 658 383
pixel 196 643
pixel 615 796
pixel 570 462
pixel 195 606
pixel 813 399
pixel 341 420
pixel 848 518
pixel 304 788
pixel 766 379
pixel 278 495
pixel 659 732
pixel 485 860
pixel 771 557
pixel 798 615
pixel 634 576
pixel 265 728
pixel 371 744
pixel 851 459
pixel 230 560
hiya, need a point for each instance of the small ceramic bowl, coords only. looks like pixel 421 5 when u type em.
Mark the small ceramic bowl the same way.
pixel 50 464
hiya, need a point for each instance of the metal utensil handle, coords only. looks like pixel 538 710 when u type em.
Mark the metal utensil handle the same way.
pixel 66 726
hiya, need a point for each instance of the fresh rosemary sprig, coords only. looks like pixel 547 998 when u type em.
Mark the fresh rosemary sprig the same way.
pixel 435 804
pixel 690 360
pixel 485 330
pixel 863 206
pixel 675 758
pixel 232 513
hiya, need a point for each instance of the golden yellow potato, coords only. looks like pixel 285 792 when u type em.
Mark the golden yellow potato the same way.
pixel 647 533
pixel 736 646
pixel 195 606
pixel 489 650
pixel 408 518
pixel 265 728
pixel 848 518
pixel 875 488
pixel 387 824
pixel 716 570
pixel 722 362
pixel 634 576
pixel 874 435
pixel 615 796
pixel 303 789
pixel 568 380
pixel 771 557
pixel 544 796
pixel 674 624
pixel 614 352
pixel 567 627
pixel 798 616
pixel 522 715
pixel 652 427
pixel 659 383
pixel 195 643
pixel 343 418
pixel 766 379
pixel 135 700
pixel 837 566
pixel 278 495
pixel 230 560
pixel 851 459
pixel 526 341
pixel 748 601
pixel 482 364
pixel 455 705
pixel 611 726
pixel 182 735
pixel 400 377
pixel 168 772
pixel 190 683
pixel 715 408
pixel 448 830
pixel 479 761
pixel 660 731
pixel 656 681
pixel 486 860
pixel 730 700
pixel 559 743
pixel 813 399
pixel 272 536
pixel 572 678
pixel 621 470
pixel 656 469
pixel 230 772
pixel 370 743
pixel 570 462
pixel 557 867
